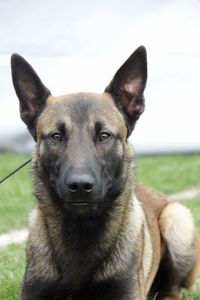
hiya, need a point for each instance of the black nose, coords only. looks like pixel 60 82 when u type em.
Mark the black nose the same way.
pixel 80 183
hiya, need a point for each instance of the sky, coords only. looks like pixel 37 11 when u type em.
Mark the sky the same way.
pixel 79 45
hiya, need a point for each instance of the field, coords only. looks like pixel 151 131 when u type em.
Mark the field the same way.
pixel 167 173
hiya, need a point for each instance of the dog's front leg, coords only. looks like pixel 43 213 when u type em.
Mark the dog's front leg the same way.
pixel 114 289
pixel 39 289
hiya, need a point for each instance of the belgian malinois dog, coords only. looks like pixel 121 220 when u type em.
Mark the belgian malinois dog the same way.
pixel 95 233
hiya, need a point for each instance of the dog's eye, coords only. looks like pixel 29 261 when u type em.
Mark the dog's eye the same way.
pixel 104 136
pixel 56 137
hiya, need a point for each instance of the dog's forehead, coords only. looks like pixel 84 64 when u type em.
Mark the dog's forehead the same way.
pixel 80 109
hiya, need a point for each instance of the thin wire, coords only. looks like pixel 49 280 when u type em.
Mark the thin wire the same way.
pixel 15 171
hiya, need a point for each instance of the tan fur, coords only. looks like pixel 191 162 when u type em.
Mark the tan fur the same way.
pixel 178 233
pixel 190 279
pixel 174 219
pixel 40 260
pixel 128 235
pixel 178 230
pixel 153 203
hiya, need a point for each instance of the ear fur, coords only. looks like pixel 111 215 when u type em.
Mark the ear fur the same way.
pixel 30 90
pixel 127 87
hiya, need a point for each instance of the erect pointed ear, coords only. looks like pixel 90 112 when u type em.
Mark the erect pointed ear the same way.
pixel 127 87
pixel 30 90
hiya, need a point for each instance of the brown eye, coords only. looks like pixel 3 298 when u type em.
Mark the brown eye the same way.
pixel 104 136
pixel 56 137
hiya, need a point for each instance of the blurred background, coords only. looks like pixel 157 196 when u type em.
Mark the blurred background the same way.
pixel 78 46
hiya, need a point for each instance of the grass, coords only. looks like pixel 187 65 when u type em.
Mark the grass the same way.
pixel 194 206
pixel 193 295
pixel 12 263
pixel 170 174
pixel 15 193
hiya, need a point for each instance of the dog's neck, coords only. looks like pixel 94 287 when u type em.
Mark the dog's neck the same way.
pixel 86 242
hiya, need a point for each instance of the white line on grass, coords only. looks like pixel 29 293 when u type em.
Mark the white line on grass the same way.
pixel 12 237
pixel 184 195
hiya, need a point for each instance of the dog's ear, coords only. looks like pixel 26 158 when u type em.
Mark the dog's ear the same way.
pixel 127 87
pixel 30 90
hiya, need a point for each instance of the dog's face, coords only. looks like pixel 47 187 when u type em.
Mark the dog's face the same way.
pixel 82 138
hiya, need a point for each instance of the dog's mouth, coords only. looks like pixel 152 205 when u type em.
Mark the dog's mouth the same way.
pixel 80 203
pixel 80 206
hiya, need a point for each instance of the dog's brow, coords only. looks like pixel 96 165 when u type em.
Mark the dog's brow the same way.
pixel 99 125
pixel 61 127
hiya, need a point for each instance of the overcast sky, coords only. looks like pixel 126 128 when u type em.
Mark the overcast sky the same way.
pixel 79 45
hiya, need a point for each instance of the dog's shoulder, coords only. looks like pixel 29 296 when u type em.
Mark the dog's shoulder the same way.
pixel 152 201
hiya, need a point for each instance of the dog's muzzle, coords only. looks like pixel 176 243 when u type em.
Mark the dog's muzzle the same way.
pixel 78 190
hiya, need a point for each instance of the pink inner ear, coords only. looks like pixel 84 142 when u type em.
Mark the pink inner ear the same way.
pixel 128 104
pixel 130 90
pixel 132 87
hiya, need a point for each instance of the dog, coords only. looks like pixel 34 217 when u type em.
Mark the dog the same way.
pixel 96 233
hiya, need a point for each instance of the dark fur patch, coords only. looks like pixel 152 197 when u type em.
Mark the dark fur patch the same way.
pixel 120 288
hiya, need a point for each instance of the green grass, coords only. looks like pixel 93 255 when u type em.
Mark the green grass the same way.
pixel 194 294
pixel 169 173
pixel 15 193
pixel 12 264
pixel 194 206
pixel 166 173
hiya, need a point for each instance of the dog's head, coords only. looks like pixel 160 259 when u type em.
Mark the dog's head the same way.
pixel 82 138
